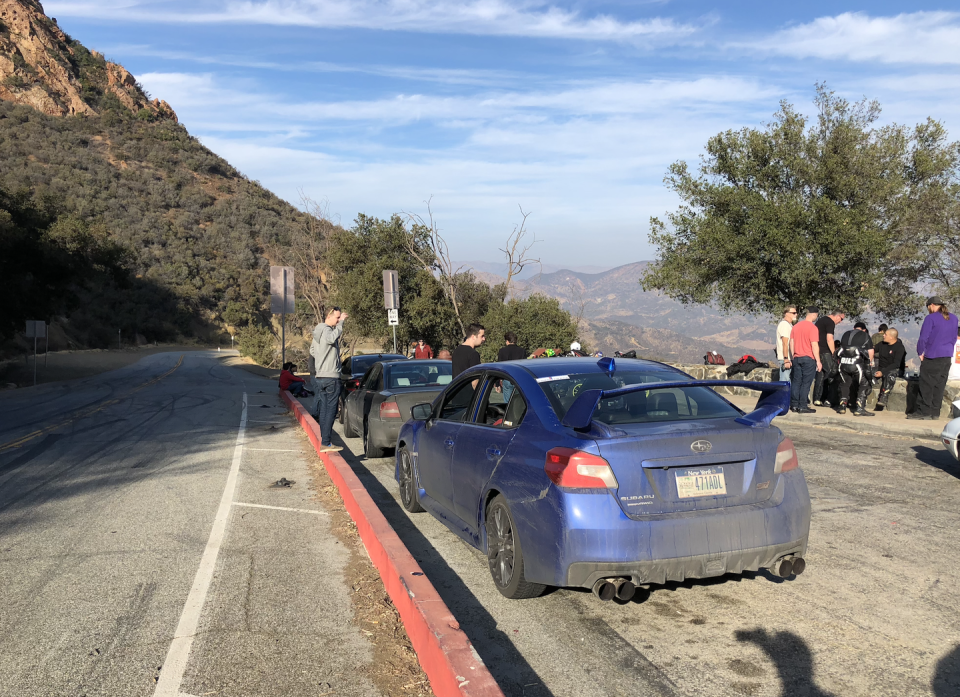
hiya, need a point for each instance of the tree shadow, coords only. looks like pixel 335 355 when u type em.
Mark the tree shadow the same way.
pixel 792 657
pixel 946 676
pixel 509 668
pixel 938 458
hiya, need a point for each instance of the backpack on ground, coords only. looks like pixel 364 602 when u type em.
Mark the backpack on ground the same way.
pixel 713 358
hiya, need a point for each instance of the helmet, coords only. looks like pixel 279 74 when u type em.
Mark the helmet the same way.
pixel 575 346
pixel 549 353
pixel 598 354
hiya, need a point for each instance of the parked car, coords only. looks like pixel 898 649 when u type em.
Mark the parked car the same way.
pixel 380 405
pixel 950 434
pixel 606 475
pixel 352 369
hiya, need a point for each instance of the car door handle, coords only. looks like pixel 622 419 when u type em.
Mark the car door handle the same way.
pixel 448 442
pixel 493 452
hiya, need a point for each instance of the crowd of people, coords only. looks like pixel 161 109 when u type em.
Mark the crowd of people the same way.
pixel 843 369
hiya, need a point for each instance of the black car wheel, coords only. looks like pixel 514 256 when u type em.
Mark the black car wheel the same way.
pixel 504 554
pixel 408 484
pixel 368 449
pixel 342 402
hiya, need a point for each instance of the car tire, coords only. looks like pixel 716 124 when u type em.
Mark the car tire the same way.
pixel 504 554
pixel 409 496
pixel 369 451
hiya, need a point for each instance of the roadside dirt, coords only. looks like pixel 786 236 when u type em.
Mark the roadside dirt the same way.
pixel 395 669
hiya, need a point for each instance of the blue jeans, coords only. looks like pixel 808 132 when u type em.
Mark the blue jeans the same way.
pixel 785 372
pixel 802 374
pixel 325 406
pixel 296 388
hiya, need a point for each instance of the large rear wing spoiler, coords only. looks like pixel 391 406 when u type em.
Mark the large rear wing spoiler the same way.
pixel 774 400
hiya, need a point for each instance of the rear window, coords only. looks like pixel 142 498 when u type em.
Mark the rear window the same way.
pixel 419 375
pixel 644 406
pixel 359 364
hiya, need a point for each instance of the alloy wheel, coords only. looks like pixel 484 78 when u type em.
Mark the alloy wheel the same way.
pixel 501 547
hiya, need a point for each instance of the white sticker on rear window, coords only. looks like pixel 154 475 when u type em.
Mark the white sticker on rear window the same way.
pixel 555 377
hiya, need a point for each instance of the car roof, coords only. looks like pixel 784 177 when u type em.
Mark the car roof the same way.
pixel 552 367
pixel 416 362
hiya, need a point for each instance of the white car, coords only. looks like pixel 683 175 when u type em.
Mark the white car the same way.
pixel 950 434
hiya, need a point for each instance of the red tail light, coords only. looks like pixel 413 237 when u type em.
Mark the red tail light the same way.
pixel 389 410
pixel 786 457
pixel 575 469
pixel 353 384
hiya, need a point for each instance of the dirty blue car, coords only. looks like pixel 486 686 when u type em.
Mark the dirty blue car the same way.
pixel 606 475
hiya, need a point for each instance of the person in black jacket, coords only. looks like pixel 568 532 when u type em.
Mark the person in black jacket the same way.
pixel 855 355
pixel 891 364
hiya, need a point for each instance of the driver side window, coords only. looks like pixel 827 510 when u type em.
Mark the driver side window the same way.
pixel 503 406
pixel 456 406
pixel 371 378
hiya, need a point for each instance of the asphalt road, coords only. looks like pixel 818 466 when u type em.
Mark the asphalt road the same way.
pixel 135 507
pixel 877 611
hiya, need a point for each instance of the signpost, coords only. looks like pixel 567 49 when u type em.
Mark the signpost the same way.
pixel 391 302
pixel 282 301
pixel 36 329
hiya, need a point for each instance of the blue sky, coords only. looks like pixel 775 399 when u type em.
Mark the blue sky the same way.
pixel 573 111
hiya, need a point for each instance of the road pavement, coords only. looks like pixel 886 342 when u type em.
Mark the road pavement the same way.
pixel 877 611
pixel 144 550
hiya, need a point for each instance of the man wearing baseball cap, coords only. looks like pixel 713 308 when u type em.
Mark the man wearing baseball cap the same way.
pixel 938 335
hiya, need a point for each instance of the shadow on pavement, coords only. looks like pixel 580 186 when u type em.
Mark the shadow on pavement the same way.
pixel 508 667
pixel 946 676
pixel 792 657
pixel 938 458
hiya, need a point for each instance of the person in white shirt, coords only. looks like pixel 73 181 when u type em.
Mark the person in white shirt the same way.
pixel 783 341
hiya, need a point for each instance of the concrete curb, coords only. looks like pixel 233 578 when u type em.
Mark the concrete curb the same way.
pixel 444 651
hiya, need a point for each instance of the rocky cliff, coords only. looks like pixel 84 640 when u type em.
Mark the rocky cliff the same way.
pixel 42 67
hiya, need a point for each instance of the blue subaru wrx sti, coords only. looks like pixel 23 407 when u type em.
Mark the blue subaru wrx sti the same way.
pixel 606 475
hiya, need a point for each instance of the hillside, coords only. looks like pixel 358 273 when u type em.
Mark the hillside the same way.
pixel 81 142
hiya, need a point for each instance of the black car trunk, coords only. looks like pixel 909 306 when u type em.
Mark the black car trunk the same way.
pixel 675 467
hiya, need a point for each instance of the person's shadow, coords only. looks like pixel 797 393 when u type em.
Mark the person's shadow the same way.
pixel 946 676
pixel 792 657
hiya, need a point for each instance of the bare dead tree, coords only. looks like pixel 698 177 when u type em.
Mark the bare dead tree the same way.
pixel 517 249
pixel 436 258
pixel 579 303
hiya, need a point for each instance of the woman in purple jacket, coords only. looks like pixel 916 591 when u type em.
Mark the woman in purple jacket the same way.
pixel 938 335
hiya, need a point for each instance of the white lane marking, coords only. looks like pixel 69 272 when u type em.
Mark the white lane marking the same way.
pixel 276 450
pixel 176 662
pixel 261 421
pixel 279 508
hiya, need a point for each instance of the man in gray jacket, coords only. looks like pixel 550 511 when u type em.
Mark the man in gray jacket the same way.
pixel 325 350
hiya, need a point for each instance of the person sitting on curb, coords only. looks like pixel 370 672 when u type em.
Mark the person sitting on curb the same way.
pixel 891 358
pixel 293 384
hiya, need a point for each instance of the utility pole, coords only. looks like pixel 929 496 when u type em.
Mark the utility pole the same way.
pixel 119 342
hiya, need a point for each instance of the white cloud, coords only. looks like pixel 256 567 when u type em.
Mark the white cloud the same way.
pixel 918 37
pixel 530 18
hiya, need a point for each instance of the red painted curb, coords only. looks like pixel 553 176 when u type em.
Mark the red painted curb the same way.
pixel 444 651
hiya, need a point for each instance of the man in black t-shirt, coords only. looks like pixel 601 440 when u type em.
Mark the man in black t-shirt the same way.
pixel 827 325
pixel 510 352
pixel 855 356
pixel 891 357
pixel 466 355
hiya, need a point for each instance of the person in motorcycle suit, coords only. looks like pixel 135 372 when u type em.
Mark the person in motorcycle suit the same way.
pixel 891 364
pixel 855 358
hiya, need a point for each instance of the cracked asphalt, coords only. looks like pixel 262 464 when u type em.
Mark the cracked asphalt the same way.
pixel 107 502
pixel 877 611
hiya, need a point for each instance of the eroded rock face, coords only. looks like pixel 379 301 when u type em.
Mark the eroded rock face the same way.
pixel 42 67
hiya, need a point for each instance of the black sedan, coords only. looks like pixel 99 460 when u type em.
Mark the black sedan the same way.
pixel 381 403
pixel 353 369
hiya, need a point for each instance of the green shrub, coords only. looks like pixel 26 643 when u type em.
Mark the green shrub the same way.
pixel 260 345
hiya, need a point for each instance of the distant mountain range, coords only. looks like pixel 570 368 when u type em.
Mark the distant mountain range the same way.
pixel 618 314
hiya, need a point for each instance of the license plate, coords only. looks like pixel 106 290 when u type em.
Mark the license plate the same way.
pixel 703 482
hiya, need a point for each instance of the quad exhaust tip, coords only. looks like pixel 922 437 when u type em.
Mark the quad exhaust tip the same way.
pixel 622 589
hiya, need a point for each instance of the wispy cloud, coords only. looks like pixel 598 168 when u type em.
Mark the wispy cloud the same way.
pixel 530 18
pixel 918 37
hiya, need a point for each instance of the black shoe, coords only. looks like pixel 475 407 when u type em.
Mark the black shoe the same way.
pixel 806 410
pixel 862 412
pixel 917 416
pixel 879 407
pixel 842 409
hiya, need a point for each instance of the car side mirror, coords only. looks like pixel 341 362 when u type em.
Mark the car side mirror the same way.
pixel 421 412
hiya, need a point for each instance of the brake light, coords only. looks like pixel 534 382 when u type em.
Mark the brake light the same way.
pixel 575 469
pixel 786 457
pixel 389 410
pixel 353 384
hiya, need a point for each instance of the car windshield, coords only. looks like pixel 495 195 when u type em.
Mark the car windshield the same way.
pixel 643 406
pixel 359 364
pixel 419 374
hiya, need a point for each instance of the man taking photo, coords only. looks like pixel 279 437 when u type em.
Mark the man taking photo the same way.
pixel 325 349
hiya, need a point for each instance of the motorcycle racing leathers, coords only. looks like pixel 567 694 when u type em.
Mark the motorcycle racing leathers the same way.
pixel 855 365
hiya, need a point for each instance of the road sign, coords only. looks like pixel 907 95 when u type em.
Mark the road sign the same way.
pixel 36 329
pixel 393 318
pixel 281 290
pixel 391 291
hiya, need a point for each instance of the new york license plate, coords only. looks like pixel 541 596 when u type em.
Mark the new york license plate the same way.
pixel 702 482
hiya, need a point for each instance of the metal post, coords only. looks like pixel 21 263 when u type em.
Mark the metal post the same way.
pixel 119 343
pixel 46 344
pixel 394 338
pixel 34 355
pixel 283 323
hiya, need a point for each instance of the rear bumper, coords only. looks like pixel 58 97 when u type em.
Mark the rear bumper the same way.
pixel 384 434
pixel 585 574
